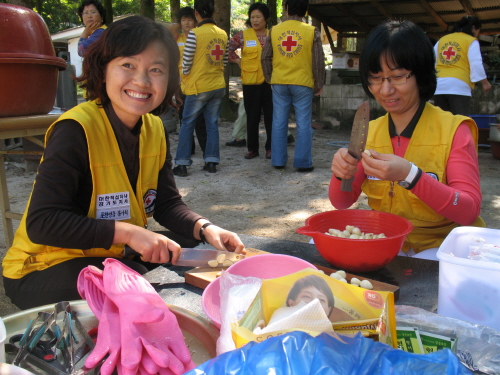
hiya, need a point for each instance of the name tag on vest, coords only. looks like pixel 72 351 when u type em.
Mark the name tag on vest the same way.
pixel 373 178
pixel 251 43
pixel 114 206
pixel 180 44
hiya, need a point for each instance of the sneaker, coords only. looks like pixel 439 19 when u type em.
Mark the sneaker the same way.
pixel 236 143
pixel 210 167
pixel 304 170
pixel 290 139
pixel 180 170
pixel 251 155
pixel 268 154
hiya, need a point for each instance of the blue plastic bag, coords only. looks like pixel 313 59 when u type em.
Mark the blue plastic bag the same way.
pixel 298 353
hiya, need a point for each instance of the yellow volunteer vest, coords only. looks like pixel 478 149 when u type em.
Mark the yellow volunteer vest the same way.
pixel 181 43
pixel 113 196
pixel 292 53
pixel 251 66
pixel 452 60
pixel 429 149
pixel 207 71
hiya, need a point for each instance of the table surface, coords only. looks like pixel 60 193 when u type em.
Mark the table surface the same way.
pixel 417 278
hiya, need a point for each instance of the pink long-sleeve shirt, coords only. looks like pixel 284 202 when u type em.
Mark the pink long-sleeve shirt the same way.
pixel 462 173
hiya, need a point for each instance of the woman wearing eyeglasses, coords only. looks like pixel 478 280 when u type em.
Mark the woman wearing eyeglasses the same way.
pixel 423 164
pixel 93 16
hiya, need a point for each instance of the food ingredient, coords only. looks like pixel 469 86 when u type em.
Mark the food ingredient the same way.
pixel 353 232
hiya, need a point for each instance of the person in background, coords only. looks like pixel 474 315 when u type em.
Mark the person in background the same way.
pixel 204 60
pixel 424 163
pixel 459 67
pixel 187 22
pixel 293 62
pixel 93 16
pixel 239 127
pixel 106 167
pixel 256 91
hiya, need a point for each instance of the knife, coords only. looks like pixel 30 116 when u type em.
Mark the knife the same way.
pixel 357 142
pixel 193 257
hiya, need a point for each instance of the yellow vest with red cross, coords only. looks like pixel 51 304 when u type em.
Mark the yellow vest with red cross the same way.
pixel 207 71
pixel 181 43
pixel 112 197
pixel 452 57
pixel 429 149
pixel 292 43
pixel 251 66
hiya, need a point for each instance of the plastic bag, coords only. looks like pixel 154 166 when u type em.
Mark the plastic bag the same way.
pixel 236 295
pixel 297 353
pixel 478 346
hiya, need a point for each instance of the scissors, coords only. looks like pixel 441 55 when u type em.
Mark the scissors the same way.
pixel 43 348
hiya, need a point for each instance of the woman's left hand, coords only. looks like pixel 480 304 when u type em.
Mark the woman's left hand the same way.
pixel 387 167
pixel 223 239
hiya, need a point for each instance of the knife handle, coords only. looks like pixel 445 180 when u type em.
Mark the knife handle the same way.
pixel 129 252
pixel 346 185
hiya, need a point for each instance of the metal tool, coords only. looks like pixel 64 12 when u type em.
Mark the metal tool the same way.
pixel 357 142
pixel 193 257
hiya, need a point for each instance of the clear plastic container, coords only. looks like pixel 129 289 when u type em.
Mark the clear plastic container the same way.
pixel 3 336
pixel 469 289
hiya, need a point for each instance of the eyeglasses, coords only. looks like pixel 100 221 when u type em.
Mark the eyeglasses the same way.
pixel 394 80
pixel 86 13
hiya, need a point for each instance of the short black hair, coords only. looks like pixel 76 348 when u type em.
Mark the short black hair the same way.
pixel 316 282
pixel 185 12
pixel 128 37
pixel 262 7
pixel 465 25
pixel 405 46
pixel 97 4
pixel 296 7
pixel 205 8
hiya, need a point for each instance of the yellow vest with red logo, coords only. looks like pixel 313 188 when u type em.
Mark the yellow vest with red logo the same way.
pixel 429 149
pixel 110 186
pixel 452 60
pixel 292 53
pixel 181 43
pixel 207 71
pixel 251 66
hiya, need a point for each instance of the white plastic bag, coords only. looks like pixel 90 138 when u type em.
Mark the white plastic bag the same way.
pixel 236 295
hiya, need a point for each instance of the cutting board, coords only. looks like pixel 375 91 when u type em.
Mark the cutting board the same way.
pixel 202 276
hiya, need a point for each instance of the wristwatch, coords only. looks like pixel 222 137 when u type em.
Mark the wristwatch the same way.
pixel 408 182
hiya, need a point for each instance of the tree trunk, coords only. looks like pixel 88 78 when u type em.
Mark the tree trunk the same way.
pixel 272 4
pixel 108 5
pixel 175 6
pixel 148 8
pixel 222 17
pixel 23 3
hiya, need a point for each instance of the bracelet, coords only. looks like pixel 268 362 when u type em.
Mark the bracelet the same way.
pixel 202 229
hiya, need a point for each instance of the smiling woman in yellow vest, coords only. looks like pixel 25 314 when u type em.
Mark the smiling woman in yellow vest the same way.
pixel 459 67
pixel 107 167
pixel 423 164
pixel 256 91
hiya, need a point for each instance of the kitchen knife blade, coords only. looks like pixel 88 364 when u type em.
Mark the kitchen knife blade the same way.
pixel 357 141
pixel 194 257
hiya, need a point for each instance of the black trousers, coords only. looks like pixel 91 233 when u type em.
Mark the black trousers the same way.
pixel 456 104
pixel 258 99
pixel 59 282
pixel 200 128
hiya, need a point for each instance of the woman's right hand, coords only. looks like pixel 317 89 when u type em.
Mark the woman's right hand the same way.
pixel 90 28
pixel 344 165
pixel 153 247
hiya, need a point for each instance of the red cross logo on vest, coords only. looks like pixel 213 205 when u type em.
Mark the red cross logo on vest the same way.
pixel 289 43
pixel 449 53
pixel 217 52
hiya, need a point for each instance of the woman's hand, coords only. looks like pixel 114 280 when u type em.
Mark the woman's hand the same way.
pixel 223 239
pixel 344 165
pixel 237 61
pixel 387 167
pixel 153 247
pixel 90 28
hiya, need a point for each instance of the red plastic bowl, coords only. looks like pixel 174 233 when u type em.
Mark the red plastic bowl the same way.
pixel 357 255
pixel 265 266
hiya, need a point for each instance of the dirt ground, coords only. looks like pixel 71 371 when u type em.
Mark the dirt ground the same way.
pixel 251 197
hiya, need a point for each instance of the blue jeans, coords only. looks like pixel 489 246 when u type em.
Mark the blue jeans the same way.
pixel 283 98
pixel 209 104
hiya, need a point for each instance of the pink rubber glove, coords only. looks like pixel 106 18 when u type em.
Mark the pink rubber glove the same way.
pixel 90 287
pixel 145 320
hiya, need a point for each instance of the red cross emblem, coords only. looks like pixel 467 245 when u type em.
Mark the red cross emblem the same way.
pixel 217 52
pixel 449 53
pixel 148 201
pixel 289 43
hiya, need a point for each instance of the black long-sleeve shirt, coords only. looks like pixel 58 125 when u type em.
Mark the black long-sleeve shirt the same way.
pixel 57 213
